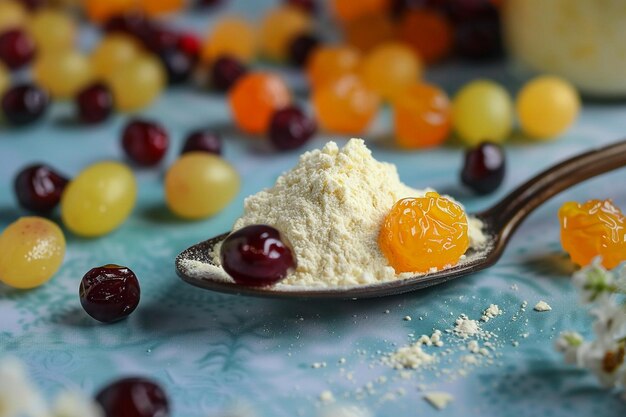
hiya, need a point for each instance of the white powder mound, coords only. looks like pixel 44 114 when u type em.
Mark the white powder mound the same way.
pixel 491 312
pixel 542 306
pixel 411 357
pixel 329 208
pixel 439 400
pixel 465 327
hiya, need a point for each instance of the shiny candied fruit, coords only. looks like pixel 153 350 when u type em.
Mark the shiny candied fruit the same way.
pixel 301 48
pixel 31 252
pixel 347 10
pixel 225 71
pixel 112 53
pixel 24 104
pixel 309 6
pixel 327 63
pixel 422 116
pixel 99 199
pixel 109 293
pixel 133 397
pixel 94 103
pixel 52 29
pixel 423 233
pixel 145 142
pixel 428 32
pixel 256 256
pixel 482 110
pixel 547 106
pixel 203 141
pixel 199 185
pixel 63 73
pixel 233 36
pixel 38 188
pixel 345 105
pixel 16 48
pixel 368 31
pixel 595 228
pixel 484 167
pixel 254 98
pixel 291 128
pixel 138 83
pixel 390 68
pixel 279 27
pixel 12 15
pixel 178 65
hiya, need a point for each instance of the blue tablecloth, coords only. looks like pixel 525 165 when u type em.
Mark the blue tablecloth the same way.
pixel 210 350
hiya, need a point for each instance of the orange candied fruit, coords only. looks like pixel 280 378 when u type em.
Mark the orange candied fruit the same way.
pixel 231 35
pixel 346 10
pixel 595 228
pixel 99 11
pixel 156 7
pixel 327 63
pixel 428 32
pixel 366 32
pixel 345 105
pixel 254 98
pixel 423 233
pixel 422 117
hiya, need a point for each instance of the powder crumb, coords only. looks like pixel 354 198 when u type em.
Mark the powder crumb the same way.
pixel 469 359
pixel 329 209
pixel 472 346
pixel 386 311
pixel 490 312
pixel 515 343
pixel 317 365
pixel 542 306
pixel 411 357
pixel 342 360
pixel 465 327
pixel 407 318
pixel 327 397
pixel 439 400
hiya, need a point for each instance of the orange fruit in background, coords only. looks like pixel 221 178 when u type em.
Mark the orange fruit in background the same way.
pixel 327 63
pixel 254 98
pixel 231 35
pixel 423 233
pixel 366 32
pixel 155 7
pixel 422 117
pixel 101 10
pixel 428 32
pixel 346 10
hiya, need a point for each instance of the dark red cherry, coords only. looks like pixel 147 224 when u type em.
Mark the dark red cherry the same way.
pixel 256 256
pixel 33 5
pixel 94 103
pixel 203 141
pixel 178 65
pixel 301 47
pixel 17 48
pixel 290 128
pixel 24 104
pixel 207 3
pixel 38 188
pixel 484 168
pixel 133 23
pixel 309 6
pixel 159 38
pixel 133 397
pixel 225 71
pixel 145 142
pixel 479 39
pixel 190 44
pixel 109 293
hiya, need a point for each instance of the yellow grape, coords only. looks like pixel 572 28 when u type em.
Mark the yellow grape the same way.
pixel 547 106
pixel 31 252
pixel 138 83
pixel 482 110
pixel 63 73
pixel 279 27
pixel 233 36
pixel 99 199
pixel 53 30
pixel 12 14
pixel 199 185
pixel 113 52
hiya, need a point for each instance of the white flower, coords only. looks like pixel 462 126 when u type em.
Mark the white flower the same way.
pixel 593 280
pixel 75 404
pixel 18 398
pixel 568 344
pixel 604 363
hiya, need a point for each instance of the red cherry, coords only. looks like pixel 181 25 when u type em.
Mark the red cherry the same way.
pixel 38 188
pixel 17 48
pixel 95 103
pixel 24 104
pixel 133 397
pixel 145 142
pixel 225 71
pixel 109 293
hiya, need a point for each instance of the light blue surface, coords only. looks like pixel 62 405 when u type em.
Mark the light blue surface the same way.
pixel 210 349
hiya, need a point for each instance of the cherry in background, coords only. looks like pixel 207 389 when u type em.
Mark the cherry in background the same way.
pixel 145 142
pixel 38 188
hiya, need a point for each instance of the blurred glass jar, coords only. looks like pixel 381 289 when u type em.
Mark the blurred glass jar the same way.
pixel 583 41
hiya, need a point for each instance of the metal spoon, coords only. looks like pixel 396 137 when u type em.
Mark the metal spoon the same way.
pixel 500 222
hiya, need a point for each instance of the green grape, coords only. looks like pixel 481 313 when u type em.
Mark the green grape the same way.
pixel 199 185
pixel 138 83
pixel 62 73
pixel 482 110
pixel 53 30
pixel 31 252
pixel 99 199
pixel 113 52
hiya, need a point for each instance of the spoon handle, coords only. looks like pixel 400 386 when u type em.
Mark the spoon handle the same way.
pixel 507 215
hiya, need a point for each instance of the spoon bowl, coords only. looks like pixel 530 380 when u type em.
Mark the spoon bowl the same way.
pixel 196 266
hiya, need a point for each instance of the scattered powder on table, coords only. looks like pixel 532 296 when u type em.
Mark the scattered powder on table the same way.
pixel 542 306
pixel 329 208
pixel 438 400
pixel 411 357
pixel 490 312
pixel 465 327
